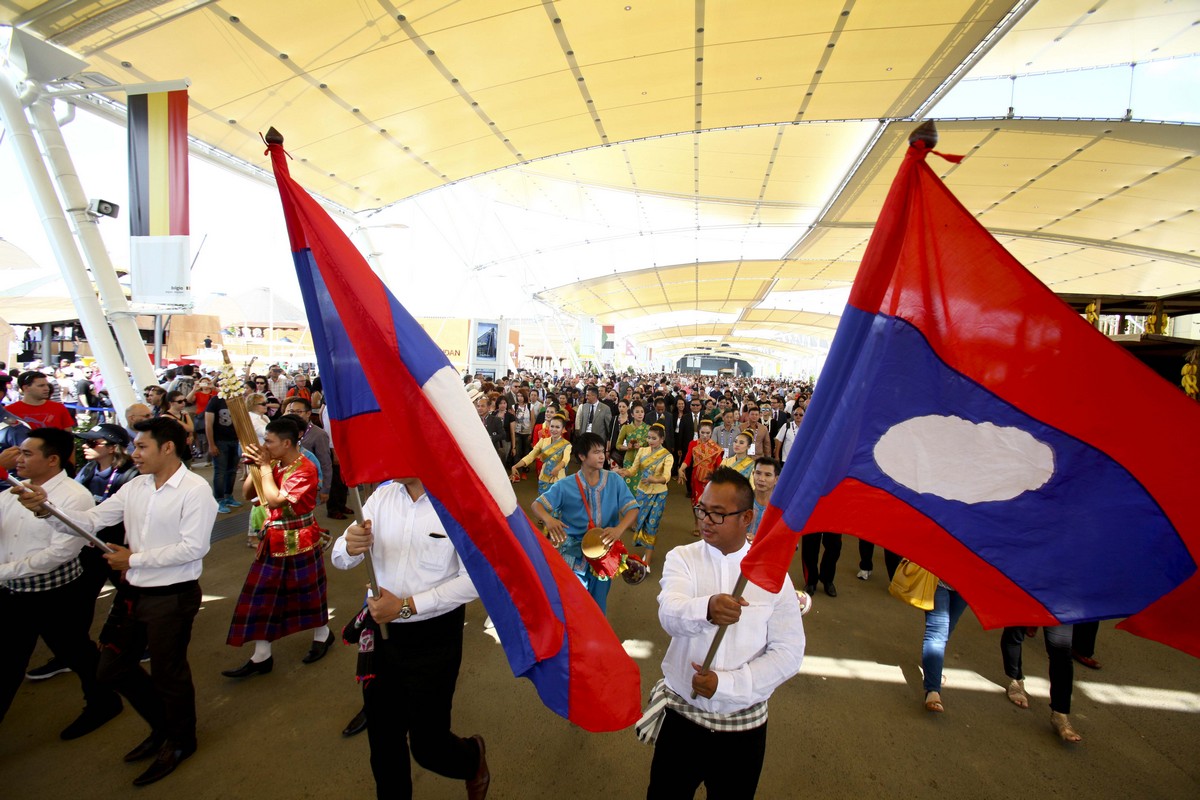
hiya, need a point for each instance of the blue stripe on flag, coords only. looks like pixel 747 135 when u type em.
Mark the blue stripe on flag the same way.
pixel 346 389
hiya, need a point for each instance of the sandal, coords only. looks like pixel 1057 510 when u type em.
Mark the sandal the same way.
pixel 933 702
pixel 1062 726
pixel 1016 693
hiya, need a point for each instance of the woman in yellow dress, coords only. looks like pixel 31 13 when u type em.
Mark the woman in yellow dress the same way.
pixel 741 460
pixel 554 452
pixel 651 469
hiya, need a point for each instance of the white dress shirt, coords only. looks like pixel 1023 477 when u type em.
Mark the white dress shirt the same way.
pixel 786 438
pixel 412 554
pixel 759 652
pixel 169 528
pixel 32 546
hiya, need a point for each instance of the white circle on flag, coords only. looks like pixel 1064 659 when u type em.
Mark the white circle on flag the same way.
pixel 957 459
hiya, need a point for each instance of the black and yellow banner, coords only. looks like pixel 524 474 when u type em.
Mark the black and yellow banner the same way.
pixel 158 164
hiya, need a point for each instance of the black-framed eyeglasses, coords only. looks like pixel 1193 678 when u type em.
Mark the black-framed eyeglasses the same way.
pixel 713 516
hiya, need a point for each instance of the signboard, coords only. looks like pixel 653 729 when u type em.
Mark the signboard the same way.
pixel 452 336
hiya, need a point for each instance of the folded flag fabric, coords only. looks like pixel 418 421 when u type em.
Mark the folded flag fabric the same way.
pixel 398 408
pixel 950 425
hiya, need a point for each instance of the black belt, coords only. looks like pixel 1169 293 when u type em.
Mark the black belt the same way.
pixel 162 591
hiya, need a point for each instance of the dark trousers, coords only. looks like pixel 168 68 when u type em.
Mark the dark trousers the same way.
pixel 224 468
pixel 1058 650
pixel 810 548
pixel 159 618
pixel 62 618
pixel 866 558
pixel 687 754
pixel 408 705
pixel 524 445
pixel 339 493
pixel 1083 638
pixel 95 569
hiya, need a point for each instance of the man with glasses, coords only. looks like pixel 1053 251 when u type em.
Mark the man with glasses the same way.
pixel 723 709
pixel 155 398
pixel 316 440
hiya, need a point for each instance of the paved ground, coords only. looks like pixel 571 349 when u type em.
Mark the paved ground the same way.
pixel 850 725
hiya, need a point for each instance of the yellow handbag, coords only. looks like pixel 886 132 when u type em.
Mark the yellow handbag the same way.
pixel 913 584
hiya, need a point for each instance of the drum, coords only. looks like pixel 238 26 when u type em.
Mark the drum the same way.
pixel 605 562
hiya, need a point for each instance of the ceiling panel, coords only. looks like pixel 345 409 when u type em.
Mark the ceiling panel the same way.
pixel 380 102
pixel 1069 34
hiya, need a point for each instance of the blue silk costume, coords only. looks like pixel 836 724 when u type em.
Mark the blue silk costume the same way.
pixel 613 499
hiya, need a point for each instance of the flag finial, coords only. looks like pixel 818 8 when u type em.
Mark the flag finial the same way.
pixel 925 132
pixel 273 136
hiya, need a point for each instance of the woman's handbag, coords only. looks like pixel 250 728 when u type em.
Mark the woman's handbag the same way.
pixel 913 584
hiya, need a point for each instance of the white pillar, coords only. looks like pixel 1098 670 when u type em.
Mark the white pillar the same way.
pixel 37 177
pixel 88 230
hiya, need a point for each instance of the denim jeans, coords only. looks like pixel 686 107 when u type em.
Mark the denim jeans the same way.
pixel 948 606
pixel 1058 652
pixel 224 468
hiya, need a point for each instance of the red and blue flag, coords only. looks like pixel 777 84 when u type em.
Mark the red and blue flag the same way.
pixel 970 420
pixel 398 409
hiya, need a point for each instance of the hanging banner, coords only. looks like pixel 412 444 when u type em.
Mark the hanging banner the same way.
pixel 159 249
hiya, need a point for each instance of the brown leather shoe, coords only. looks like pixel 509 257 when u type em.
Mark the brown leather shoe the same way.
pixel 477 787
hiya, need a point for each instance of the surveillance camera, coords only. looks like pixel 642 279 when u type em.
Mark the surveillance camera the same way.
pixel 103 208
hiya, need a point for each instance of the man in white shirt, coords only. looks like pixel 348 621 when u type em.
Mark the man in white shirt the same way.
pixel 786 437
pixel 718 737
pixel 277 382
pixel 42 592
pixel 424 589
pixel 168 514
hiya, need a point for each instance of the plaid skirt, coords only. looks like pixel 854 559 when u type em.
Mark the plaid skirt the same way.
pixel 282 595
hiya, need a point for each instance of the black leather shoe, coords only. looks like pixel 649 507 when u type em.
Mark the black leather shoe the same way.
pixel 830 590
pixel 318 650
pixel 810 589
pixel 250 668
pixel 356 725
pixel 147 748
pixel 170 756
pixel 477 786
pixel 94 715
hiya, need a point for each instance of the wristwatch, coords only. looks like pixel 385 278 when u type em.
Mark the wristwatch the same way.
pixel 405 610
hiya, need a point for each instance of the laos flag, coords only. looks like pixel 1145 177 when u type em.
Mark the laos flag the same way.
pixel 399 409
pixel 970 420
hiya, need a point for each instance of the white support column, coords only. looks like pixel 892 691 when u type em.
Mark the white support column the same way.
pixel 37 177
pixel 116 307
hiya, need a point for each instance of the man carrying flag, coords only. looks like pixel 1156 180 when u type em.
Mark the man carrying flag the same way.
pixel 714 725
pixel 424 589
pixel 390 385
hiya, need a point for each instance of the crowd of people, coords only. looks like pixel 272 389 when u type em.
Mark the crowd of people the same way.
pixel 603 451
